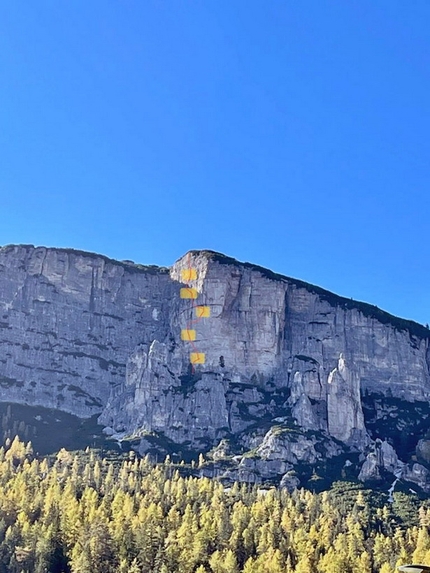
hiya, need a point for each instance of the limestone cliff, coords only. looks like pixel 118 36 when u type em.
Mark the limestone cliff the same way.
pixel 86 334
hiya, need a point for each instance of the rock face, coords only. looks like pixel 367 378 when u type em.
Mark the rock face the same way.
pixel 345 415
pixel 383 457
pixel 88 335
pixel 423 450
pixel 69 323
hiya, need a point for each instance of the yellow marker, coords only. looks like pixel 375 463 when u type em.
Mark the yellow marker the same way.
pixel 188 275
pixel 197 358
pixel 203 311
pixel 189 293
pixel 189 335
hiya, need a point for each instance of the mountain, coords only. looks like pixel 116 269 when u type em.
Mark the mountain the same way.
pixel 291 383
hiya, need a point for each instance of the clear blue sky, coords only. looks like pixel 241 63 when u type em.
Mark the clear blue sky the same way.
pixel 292 134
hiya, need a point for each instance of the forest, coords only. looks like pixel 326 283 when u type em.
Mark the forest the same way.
pixel 83 513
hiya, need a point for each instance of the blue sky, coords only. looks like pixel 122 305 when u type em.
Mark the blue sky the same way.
pixel 294 135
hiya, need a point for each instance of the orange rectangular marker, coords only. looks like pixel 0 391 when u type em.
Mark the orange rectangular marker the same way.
pixel 188 275
pixel 189 293
pixel 189 335
pixel 203 311
pixel 197 358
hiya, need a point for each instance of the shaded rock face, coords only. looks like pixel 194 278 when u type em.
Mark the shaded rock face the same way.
pixel 69 323
pixel 418 475
pixel 423 450
pixel 85 334
pixel 382 457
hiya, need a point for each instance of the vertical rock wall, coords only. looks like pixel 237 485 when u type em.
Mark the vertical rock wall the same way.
pixel 86 334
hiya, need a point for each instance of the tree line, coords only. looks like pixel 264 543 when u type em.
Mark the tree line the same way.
pixel 80 513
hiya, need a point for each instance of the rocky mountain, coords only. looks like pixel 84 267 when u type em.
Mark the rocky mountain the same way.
pixel 289 382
